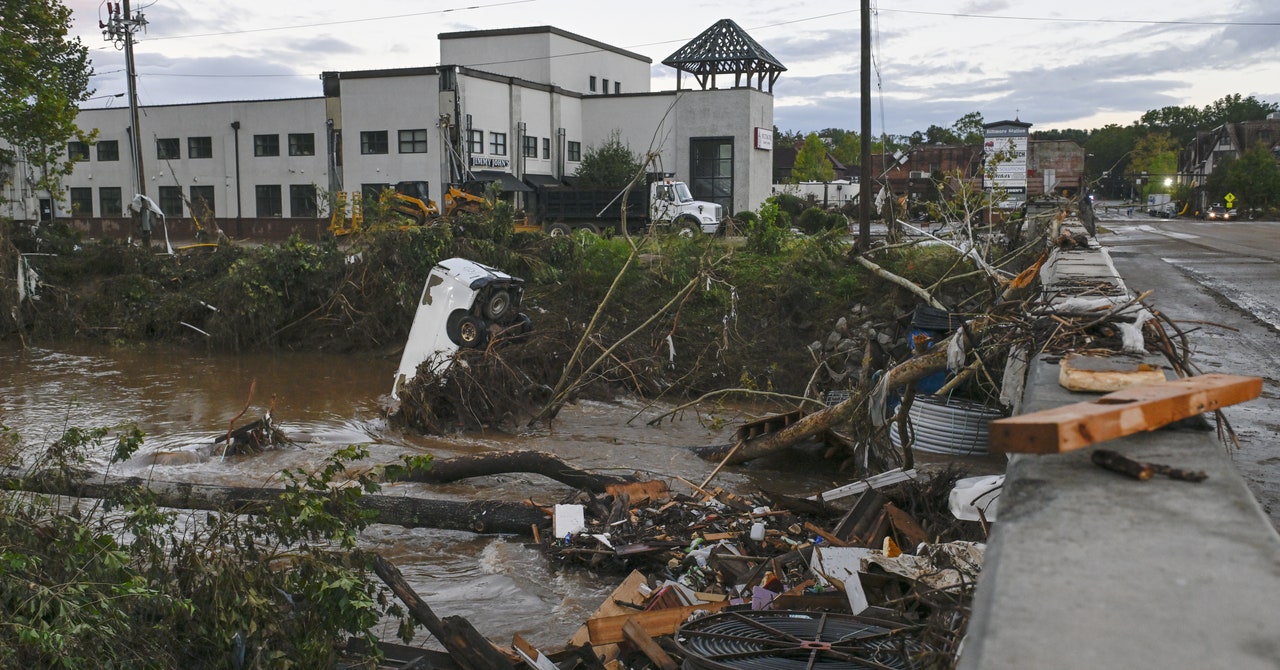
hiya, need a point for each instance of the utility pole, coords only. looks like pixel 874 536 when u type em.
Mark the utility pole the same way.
pixel 864 178
pixel 118 29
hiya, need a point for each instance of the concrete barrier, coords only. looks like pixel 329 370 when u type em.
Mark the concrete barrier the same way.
pixel 1090 569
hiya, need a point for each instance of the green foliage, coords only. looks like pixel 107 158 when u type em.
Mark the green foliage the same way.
pixel 610 165
pixel 43 76
pixel 814 220
pixel 123 583
pixel 1253 178
pixel 848 149
pixel 766 234
pixel 812 163
pixel 1156 155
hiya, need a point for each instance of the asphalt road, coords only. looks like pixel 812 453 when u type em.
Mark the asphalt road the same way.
pixel 1222 282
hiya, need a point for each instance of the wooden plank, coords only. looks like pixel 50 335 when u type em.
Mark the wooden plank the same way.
pixel 608 630
pixel 1104 374
pixel 908 528
pixel 628 591
pixel 644 642
pixel 1125 412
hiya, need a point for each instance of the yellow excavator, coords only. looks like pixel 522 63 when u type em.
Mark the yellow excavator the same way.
pixel 411 200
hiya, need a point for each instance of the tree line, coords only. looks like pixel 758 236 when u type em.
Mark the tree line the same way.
pixel 1122 160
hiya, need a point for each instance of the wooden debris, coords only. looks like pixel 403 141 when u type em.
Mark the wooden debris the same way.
pixel 638 636
pixel 1116 462
pixel 665 621
pixel 1125 412
pixel 1104 374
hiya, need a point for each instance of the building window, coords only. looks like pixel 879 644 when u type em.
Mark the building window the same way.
pixel 266 145
pixel 302 144
pixel 498 144
pixel 202 202
pixel 168 148
pixel 109 150
pixel 617 87
pixel 605 87
pixel 199 147
pixel 81 201
pixel 77 151
pixel 711 164
pixel 373 142
pixel 575 151
pixel 371 192
pixel 546 148
pixel 413 141
pixel 268 200
pixel 109 202
pixel 302 200
pixel 475 141
pixel 593 83
pixel 171 201
pixel 530 147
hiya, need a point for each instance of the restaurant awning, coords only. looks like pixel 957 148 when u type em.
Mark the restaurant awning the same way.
pixel 508 181
pixel 542 180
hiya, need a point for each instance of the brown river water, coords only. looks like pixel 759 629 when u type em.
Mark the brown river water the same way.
pixel 183 400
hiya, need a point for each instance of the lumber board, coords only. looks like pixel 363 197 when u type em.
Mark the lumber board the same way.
pixel 1124 412
pixel 628 591
pixel 636 635
pixel 607 630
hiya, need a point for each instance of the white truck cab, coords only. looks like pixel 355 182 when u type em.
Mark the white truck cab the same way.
pixel 671 202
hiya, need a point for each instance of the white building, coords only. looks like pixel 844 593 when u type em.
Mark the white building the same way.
pixel 518 106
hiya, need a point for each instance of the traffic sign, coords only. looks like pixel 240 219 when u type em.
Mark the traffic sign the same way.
pixel 1230 199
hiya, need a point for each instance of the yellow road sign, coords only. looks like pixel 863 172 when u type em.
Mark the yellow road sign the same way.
pixel 1230 199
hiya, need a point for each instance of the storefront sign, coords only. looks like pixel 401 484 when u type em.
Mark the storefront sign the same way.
pixel 484 161
pixel 764 139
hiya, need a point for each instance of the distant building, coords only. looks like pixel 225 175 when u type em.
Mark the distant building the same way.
pixel 1205 154
pixel 519 107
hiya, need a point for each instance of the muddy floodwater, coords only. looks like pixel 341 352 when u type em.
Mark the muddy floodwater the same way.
pixel 184 400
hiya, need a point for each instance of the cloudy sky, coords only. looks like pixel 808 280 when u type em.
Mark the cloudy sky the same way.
pixel 1081 64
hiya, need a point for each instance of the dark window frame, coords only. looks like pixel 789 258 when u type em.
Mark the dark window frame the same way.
pixel 303 201
pixel 374 142
pixel 169 198
pixel 266 195
pixel 708 179
pixel 200 146
pixel 266 145
pixel 414 144
pixel 617 87
pixel 573 151
pixel 530 146
pixel 168 148
pixel 475 141
pixel 593 83
pixel 110 201
pixel 202 206
pixel 497 144
pixel 108 150
pixel 78 151
pixel 302 144
pixel 546 148
pixel 80 201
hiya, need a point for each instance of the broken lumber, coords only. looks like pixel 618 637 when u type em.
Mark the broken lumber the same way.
pixel 1125 412
pixel 607 630
pixel 471 516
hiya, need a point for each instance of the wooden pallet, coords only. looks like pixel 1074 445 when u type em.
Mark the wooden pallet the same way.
pixel 1125 412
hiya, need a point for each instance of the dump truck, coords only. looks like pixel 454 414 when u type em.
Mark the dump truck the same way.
pixel 664 202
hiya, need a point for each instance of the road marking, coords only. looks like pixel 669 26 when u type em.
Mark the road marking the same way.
pixel 1147 228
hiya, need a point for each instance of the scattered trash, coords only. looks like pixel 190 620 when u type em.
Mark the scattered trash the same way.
pixel 977 498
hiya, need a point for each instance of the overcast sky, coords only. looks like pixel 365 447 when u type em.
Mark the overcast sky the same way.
pixel 1081 64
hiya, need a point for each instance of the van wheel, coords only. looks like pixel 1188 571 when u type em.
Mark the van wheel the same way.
pixel 559 230
pixel 497 306
pixel 472 332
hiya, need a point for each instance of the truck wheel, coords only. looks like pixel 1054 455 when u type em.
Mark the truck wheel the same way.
pixel 497 306
pixel 688 227
pixel 472 332
pixel 559 230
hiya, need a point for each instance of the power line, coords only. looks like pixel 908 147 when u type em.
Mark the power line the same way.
pixel 1054 19
pixel 343 22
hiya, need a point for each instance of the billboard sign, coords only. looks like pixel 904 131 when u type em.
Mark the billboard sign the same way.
pixel 1004 150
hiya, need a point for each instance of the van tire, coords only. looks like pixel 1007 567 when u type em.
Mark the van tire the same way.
pixel 497 305
pixel 472 332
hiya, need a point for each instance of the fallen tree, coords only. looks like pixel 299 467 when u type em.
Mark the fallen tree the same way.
pixel 473 516
pixel 500 462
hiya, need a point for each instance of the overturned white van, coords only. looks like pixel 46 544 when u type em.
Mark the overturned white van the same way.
pixel 464 304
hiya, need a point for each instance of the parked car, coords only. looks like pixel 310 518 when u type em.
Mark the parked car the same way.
pixel 1219 213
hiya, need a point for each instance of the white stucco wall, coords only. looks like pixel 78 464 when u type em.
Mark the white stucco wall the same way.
pixel 549 57
pixel 391 103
